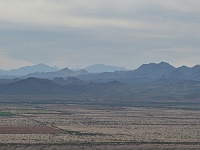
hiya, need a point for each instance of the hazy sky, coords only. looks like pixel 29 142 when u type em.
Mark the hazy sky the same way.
pixel 78 33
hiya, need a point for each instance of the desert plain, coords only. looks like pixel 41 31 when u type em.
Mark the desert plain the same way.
pixel 78 126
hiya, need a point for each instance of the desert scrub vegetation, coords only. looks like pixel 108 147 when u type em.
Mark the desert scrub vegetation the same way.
pixel 85 123
pixel 18 121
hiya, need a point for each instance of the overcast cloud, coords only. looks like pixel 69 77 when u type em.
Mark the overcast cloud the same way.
pixel 77 33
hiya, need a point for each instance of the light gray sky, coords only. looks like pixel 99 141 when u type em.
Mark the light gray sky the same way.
pixel 78 33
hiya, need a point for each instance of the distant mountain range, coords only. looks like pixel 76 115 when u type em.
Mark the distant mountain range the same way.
pixel 155 82
pixel 60 73
pixel 99 68
pixel 150 72
pixel 109 92
pixel 105 73
pixel 57 86
pixel 146 72
pixel 45 71
pixel 28 69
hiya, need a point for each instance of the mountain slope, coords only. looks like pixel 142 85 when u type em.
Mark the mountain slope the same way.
pixel 68 81
pixel 32 86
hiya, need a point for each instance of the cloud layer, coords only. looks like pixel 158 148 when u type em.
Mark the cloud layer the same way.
pixel 117 32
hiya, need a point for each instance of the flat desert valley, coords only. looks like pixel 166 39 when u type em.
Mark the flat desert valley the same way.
pixel 88 127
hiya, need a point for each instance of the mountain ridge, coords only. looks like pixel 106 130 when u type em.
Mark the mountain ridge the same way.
pixel 65 72
pixel 22 71
pixel 162 89
pixel 151 71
